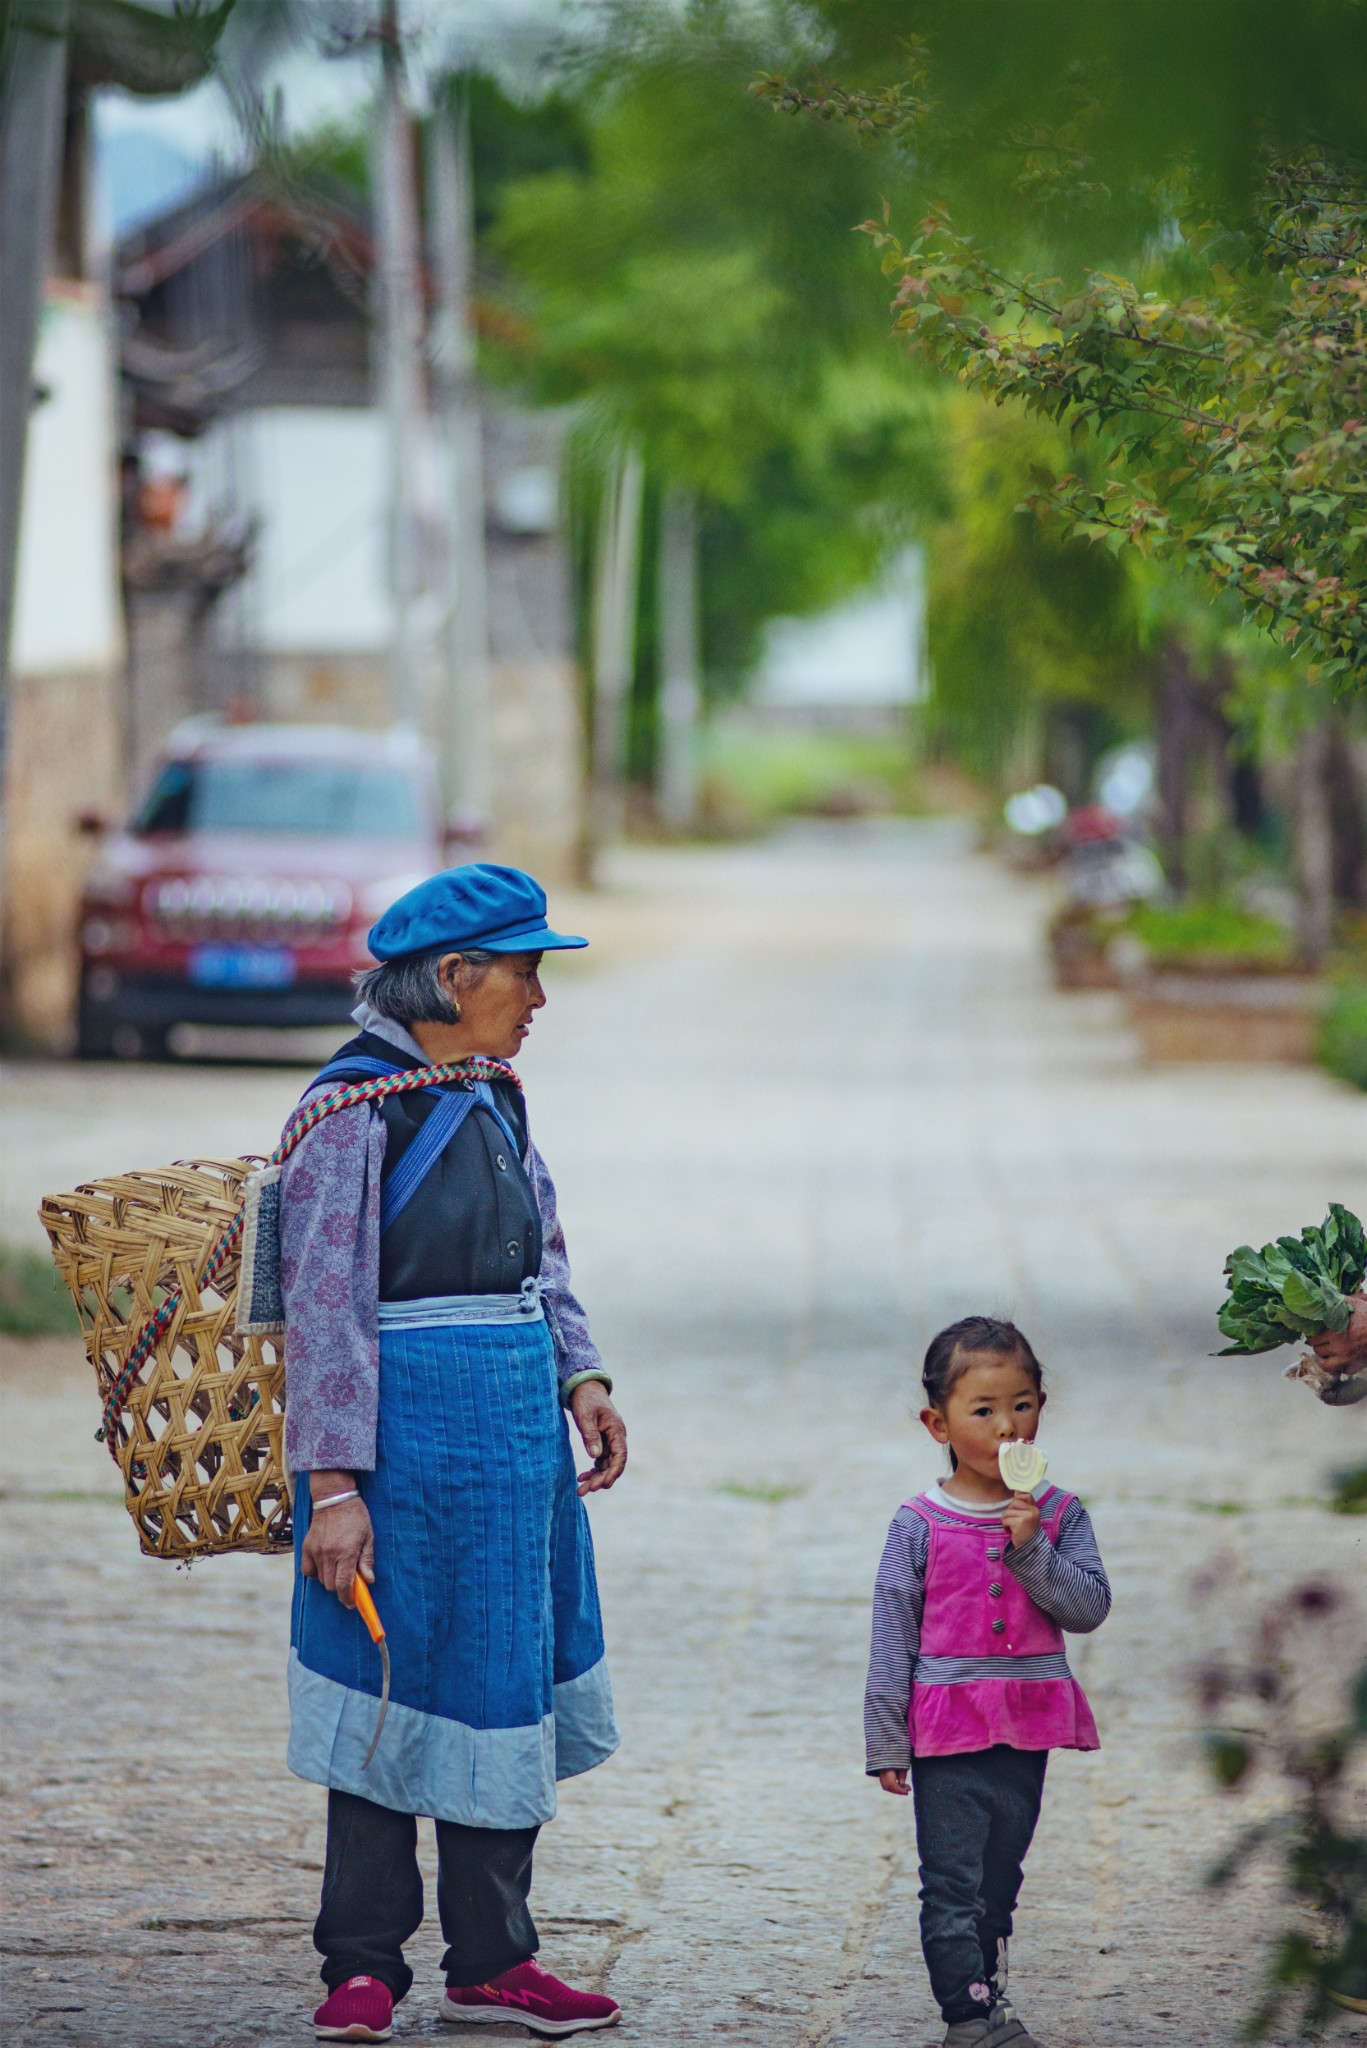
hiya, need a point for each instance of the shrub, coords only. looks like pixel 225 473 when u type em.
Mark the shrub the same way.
pixel 1319 1961
pixel 33 1301
pixel 1189 934
pixel 1343 1033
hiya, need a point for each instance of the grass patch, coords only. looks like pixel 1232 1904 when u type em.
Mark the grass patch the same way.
pixel 1187 934
pixel 58 1496
pixel 1350 1492
pixel 1252 1507
pixel 752 776
pixel 770 1496
pixel 33 1301
pixel 1343 1033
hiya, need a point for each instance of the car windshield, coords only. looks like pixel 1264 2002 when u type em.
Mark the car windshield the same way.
pixel 318 797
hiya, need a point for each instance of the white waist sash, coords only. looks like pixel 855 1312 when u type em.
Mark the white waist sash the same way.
pixel 443 1311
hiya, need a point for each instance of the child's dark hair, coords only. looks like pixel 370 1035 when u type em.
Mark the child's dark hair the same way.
pixel 948 1356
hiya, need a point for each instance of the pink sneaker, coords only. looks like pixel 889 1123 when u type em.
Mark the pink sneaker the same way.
pixel 362 2009
pixel 530 1994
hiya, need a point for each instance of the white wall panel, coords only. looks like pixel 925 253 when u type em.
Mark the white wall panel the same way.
pixel 67 617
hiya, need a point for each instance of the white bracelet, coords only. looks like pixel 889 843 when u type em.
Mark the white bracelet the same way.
pixel 334 1499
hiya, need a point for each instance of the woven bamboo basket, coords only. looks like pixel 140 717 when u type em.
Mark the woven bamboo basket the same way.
pixel 200 1438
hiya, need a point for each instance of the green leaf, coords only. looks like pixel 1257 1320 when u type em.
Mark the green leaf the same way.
pixel 1320 1305
pixel 1349 1496
pixel 1230 1757
pixel 1358 1698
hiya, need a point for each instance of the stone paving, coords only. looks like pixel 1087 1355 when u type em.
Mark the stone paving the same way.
pixel 805 1102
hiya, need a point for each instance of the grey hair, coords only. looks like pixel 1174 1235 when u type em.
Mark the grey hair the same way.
pixel 409 989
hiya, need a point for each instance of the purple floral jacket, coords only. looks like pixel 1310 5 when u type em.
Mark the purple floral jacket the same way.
pixel 330 1279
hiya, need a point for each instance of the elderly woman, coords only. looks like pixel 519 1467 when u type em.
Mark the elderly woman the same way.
pixel 433 1345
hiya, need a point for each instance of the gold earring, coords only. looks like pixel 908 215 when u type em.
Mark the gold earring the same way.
pixel 455 1005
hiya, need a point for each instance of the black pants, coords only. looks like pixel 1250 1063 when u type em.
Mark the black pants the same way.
pixel 975 1815
pixel 372 1896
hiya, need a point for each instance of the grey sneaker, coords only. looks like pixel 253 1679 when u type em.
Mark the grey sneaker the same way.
pixel 997 2029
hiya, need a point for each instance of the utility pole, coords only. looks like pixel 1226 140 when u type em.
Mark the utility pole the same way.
pixel 679 693
pixel 399 334
pixel 32 107
pixel 464 712
pixel 616 568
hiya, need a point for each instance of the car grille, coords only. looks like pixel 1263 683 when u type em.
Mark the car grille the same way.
pixel 224 906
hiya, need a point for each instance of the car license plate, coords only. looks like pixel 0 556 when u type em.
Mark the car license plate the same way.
pixel 241 966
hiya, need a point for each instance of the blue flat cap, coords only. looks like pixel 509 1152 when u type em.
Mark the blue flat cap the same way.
pixel 497 910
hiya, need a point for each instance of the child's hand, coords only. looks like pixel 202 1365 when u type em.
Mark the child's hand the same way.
pixel 894 1782
pixel 1021 1519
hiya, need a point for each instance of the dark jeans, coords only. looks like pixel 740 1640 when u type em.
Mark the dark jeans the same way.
pixel 372 1896
pixel 975 1815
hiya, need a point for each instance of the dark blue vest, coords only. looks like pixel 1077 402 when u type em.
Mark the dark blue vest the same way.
pixel 472 1226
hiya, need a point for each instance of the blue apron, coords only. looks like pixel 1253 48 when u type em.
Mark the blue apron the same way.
pixel 484 1579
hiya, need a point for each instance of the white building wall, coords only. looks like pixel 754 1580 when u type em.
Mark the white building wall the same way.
pixel 865 654
pixel 316 480
pixel 317 491
pixel 65 738
pixel 67 617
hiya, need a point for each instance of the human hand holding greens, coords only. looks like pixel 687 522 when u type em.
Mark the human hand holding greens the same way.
pixel 1301 1287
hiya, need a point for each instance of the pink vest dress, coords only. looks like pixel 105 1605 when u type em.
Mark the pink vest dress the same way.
pixel 979 1620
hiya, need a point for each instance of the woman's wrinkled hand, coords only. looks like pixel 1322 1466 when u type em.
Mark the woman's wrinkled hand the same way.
pixel 894 1782
pixel 604 1434
pixel 340 1542
pixel 1342 1350
pixel 1021 1519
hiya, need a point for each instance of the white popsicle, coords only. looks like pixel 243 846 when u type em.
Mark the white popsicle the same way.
pixel 1022 1466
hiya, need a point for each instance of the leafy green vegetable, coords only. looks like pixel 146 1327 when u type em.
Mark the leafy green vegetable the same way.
pixel 1296 1287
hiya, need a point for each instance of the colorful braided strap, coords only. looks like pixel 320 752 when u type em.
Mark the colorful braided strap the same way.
pixel 461 1072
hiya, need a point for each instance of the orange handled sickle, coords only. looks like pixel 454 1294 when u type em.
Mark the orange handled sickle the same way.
pixel 370 1615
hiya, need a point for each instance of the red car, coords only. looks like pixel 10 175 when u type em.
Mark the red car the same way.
pixel 243 889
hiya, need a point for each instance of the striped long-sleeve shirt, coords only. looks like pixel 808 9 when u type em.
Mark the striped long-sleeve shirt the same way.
pixel 1069 1583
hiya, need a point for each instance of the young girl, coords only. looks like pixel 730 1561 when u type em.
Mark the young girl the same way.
pixel 969 1687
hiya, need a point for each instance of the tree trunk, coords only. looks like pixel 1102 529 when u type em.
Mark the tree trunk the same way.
pixel 1314 845
pixel 1237 769
pixel 680 697
pixel 399 333
pixel 616 569
pixel 1347 817
pixel 1176 737
pixel 465 742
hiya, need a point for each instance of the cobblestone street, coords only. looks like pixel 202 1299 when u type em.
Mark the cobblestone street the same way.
pixel 805 1101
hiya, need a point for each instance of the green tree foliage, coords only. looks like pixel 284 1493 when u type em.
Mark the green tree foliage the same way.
pixel 698 290
pixel 1054 124
pixel 657 252
pixel 1320 1961
pixel 1225 375
pixel 509 140
pixel 1235 416
pixel 1025 624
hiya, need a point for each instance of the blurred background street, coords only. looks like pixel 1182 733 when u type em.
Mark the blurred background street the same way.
pixel 864 501
pixel 805 1102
